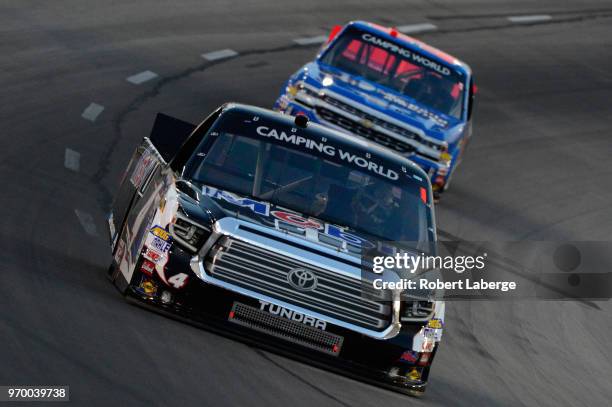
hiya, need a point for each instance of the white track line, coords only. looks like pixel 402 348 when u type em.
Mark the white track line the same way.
pixel 141 77
pixel 87 221
pixel 319 39
pixel 416 28
pixel 72 160
pixel 529 19
pixel 92 112
pixel 220 54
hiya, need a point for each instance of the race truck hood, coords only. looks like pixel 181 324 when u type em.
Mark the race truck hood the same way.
pixel 207 204
pixel 362 92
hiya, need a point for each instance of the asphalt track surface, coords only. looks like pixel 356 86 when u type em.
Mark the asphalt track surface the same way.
pixel 538 169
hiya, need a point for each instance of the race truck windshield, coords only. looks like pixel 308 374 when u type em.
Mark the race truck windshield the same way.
pixel 428 82
pixel 293 169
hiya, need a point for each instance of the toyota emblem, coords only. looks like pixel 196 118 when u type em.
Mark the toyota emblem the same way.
pixel 302 279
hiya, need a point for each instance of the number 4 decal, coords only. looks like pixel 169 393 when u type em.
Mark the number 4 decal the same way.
pixel 178 280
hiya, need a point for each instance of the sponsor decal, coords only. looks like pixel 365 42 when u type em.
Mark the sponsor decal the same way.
pixel 292 315
pixel 409 356
pixel 330 150
pixel 160 244
pixel 434 329
pixel 421 111
pixel 429 333
pixel 261 208
pixel 160 232
pixel 435 323
pixel 424 340
pixel 153 255
pixel 297 220
pixel 147 267
pixel 144 165
pixel 147 287
pixel 414 374
pixel 412 56
pixel 388 45
pixel 297 140
pixel 292 218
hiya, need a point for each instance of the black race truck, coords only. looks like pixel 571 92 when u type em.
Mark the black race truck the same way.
pixel 252 223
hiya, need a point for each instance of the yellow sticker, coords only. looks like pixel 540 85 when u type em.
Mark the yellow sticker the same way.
pixel 161 233
pixel 414 374
pixel 435 323
pixel 149 287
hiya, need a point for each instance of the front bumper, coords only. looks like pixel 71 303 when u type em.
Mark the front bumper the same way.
pixel 211 307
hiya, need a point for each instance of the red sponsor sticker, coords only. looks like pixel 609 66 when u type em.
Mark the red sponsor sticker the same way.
pixel 152 255
pixel 295 219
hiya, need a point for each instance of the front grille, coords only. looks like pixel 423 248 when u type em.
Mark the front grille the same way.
pixel 265 272
pixel 291 331
pixel 361 130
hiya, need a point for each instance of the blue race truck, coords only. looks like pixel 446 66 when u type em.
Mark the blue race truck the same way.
pixel 377 83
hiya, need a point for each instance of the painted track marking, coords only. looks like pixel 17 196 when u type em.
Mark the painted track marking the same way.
pixel 92 112
pixel 319 39
pixel 87 222
pixel 72 160
pixel 529 19
pixel 141 77
pixel 416 28
pixel 220 54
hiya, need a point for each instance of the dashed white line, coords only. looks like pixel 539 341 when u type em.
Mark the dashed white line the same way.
pixel 220 54
pixel 87 222
pixel 141 77
pixel 319 39
pixel 416 28
pixel 92 112
pixel 529 19
pixel 72 160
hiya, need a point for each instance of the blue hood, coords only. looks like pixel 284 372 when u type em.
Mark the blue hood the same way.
pixel 435 124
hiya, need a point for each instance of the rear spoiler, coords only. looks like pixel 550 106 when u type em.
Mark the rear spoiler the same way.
pixel 168 135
